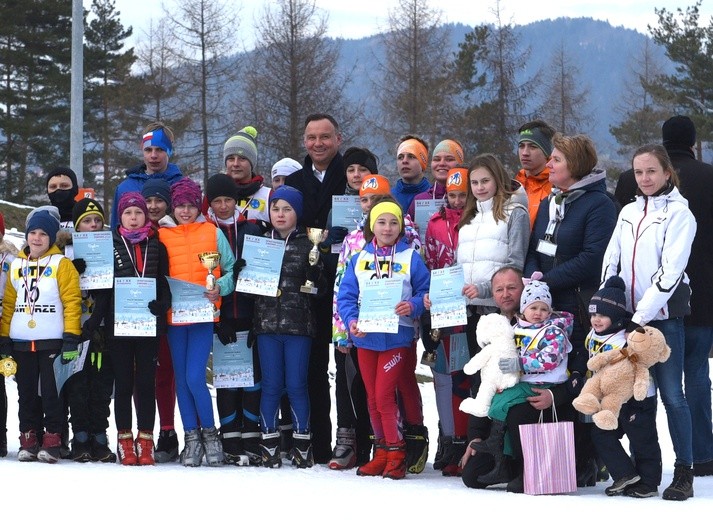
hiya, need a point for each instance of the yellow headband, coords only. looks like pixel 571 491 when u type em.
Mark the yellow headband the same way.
pixel 385 207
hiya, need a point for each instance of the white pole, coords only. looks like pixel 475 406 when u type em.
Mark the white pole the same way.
pixel 76 138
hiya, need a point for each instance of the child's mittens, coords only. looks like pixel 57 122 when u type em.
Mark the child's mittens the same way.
pixel 508 365
pixel 70 348
pixel 225 330
pixel 158 307
pixel 80 265
pixel 238 266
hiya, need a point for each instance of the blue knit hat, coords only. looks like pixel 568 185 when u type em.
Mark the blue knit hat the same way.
pixel 292 196
pixel 45 221
pixel 157 188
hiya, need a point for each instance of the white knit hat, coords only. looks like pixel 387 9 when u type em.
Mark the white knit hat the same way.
pixel 285 167
pixel 535 291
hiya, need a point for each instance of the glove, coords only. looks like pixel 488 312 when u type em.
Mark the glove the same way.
pixel 89 327
pixel 335 235
pixel 313 273
pixel 158 307
pixel 509 365
pixel 252 339
pixel 575 382
pixel 225 330
pixel 237 267
pixel 70 351
pixel 5 347
pixel 80 265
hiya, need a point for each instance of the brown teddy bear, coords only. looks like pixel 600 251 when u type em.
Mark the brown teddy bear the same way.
pixel 620 375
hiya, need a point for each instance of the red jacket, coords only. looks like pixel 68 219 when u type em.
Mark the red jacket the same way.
pixel 442 238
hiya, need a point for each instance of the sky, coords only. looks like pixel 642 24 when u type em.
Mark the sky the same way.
pixel 356 19
pixel 170 491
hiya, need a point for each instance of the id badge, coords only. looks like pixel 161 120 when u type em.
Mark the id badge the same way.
pixel 546 248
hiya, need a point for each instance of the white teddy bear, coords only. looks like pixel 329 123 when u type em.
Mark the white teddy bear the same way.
pixel 496 338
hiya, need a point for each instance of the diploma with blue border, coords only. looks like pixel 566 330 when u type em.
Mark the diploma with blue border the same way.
pixel 97 250
pixel 447 300
pixel 233 363
pixel 263 264
pixel 423 210
pixel 188 302
pixel 131 306
pixel 377 309
pixel 346 212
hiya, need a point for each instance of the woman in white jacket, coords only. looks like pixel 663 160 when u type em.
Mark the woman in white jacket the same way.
pixel 649 249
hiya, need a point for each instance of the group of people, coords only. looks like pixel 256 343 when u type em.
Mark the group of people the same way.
pixel 597 268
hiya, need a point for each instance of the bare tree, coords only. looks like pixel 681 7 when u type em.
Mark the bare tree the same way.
pixel 641 113
pixel 564 95
pixel 205 33
pixel 413 85
pixel 293 72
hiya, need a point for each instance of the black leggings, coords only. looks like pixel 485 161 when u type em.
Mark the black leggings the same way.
pixel 135 373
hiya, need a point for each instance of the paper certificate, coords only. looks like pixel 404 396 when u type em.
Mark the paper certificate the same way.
pixel 447 300
pixel 423 211
pixel 459 354
pixel 131 307
pixel 188 302
pixel 377 307
pixel 263 263
pixel 346 212
pixel 233 363
pixel 97 250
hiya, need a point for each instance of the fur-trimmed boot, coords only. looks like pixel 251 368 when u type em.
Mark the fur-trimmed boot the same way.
pixel 377 464
pixel 395 461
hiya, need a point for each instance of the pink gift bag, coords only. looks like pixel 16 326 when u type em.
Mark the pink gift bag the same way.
pixel 548 456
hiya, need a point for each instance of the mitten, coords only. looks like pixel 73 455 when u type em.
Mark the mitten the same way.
pixel 509 365
pixel 574 383
pixel 237 267
pixel 158 307
pixel 80 265
pixel 225 330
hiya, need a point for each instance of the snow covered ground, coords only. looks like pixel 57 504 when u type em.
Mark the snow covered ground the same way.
pixel 95 490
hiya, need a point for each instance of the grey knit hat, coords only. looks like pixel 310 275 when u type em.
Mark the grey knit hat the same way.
pixel 244 144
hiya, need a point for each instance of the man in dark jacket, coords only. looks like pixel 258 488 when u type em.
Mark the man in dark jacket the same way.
pixel 321 177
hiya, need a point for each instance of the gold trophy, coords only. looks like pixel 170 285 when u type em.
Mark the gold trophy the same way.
pixel 8 366
pixel 210 260
pixel 316 236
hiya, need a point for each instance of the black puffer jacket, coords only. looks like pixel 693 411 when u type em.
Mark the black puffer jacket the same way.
pixel 291 312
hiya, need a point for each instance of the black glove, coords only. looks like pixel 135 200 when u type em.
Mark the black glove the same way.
pixel 313 273
pixel 89 327
pixel 237 267
pixel 158 307
pixel 574 383
pixel 80 265
pixel 225 330
pixel 5 346
pixel 252 339
pixel 70 350
pixel 335 236
pixel 428 343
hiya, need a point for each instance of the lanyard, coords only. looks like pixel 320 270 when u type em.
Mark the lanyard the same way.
pixel 31 289
pixel 377 267
pixel 133 262
pixel 556 216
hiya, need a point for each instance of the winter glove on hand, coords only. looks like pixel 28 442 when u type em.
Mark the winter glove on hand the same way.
pixel 335 235
pixel 80 265
pixel 70 351
pixel 575 382
pixel 238 266
pixel 89 327
pixel 158 307
pixel 225 330
pixel 5 347
pixel 509 365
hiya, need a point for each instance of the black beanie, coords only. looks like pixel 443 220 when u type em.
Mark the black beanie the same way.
pixel 220 185
pixel 678 133
pixel 86 207
pixel 362 157
pixel 63 170
pixel 610 301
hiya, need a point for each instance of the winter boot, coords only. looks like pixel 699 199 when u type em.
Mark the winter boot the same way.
pixel 212 446
pixel 145 448
pixel 233 452
pixel 192 454
pixel 50 451
pixel 344 453
pixel 251 445
pixel 81 448
pixel 416 438
pixel 457 450
pixel 167 447
pixel 495 441
pixel 444 444
pixel 126 449
pixel 100 448
pixel 29 447
pixel 270 450
pixel 395 461
pixel 302 456
pixel 587 473
pixel 681 487
pixel 377 465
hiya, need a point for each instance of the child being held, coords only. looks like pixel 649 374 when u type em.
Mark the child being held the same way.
pixel 637 475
